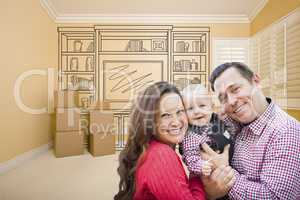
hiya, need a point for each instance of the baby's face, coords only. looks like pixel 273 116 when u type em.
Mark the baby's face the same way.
pixel 199 109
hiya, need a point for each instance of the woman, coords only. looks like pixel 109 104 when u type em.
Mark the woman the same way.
pixel 149 167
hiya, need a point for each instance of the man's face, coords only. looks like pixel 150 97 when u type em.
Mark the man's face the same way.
pixel 239 98
pixel 199 109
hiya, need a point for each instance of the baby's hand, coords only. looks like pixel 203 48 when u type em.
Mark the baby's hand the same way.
pixel 207 168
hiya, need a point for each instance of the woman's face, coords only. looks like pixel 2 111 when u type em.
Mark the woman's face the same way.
pixel 171 119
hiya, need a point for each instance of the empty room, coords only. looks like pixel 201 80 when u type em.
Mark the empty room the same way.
pixel 150 100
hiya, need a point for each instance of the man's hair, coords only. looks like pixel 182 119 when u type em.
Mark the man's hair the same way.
pixel 242 68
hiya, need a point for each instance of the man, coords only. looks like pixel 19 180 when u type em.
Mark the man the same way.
pixel 266 160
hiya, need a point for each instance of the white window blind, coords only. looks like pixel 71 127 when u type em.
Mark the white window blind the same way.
pixel 267 58
pixel 230 50
pixel 293 59
pixel 275 55
pixel 278 66
pixel 265 62
pixel 254 54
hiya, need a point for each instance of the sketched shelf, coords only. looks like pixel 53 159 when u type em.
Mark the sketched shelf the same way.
pixel 78 72
pixel 112 63
pixel 187 73
pixel 190 56
pixel 131 53
pixel 77 53
pixel 77 61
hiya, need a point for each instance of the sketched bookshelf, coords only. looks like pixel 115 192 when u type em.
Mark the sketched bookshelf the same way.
pixel 77 62
pixel 113 63
pixel 190 56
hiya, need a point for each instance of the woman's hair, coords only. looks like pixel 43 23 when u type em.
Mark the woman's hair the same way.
pixel 142 128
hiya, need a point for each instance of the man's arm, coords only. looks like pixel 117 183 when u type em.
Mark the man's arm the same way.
pixel 280 175
pixel 219 182
pixel 222 178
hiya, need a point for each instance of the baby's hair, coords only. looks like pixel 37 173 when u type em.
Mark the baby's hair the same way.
pixel 193 90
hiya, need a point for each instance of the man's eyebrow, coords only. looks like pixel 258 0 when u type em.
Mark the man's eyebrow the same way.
pixel 221 96
pixel 232 85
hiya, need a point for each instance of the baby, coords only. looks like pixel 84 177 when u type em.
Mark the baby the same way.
pixel 204 127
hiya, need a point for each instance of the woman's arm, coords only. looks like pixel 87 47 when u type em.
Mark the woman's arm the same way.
pixel 167 178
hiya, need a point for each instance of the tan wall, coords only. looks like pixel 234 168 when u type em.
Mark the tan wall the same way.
pixel 29 41
pixel 294 113
pixel 217 30
pixel 230 30
pixel 274 10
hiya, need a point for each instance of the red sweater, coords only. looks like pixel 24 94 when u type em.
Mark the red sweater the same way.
pixel 160 176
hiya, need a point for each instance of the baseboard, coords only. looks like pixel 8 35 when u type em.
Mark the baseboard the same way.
pixel 17 161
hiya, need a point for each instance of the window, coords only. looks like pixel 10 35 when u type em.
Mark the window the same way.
pixel 293 59
pixel 230 50
pixel 275 55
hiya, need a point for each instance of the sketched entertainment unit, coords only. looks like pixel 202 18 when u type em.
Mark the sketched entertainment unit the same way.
pixel 112 63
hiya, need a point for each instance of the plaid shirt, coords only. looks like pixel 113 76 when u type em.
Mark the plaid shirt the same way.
pixel 191 150
pixel 266 158
pixel 194 138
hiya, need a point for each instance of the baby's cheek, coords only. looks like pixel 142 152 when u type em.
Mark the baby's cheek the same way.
pixel 208 112
pixel 189 118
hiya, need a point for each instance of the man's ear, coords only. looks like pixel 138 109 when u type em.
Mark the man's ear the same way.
pixel 256 80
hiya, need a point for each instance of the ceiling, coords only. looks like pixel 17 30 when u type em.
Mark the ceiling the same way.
pixel 224 11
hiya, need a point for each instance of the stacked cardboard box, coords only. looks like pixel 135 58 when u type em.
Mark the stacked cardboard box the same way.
pixel 85 121
pixel 69 139
pixel 102 137
pixel 66 99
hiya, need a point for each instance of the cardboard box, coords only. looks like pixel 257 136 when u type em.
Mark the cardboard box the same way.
pixel 100 105
pixel 102 144
pixel 101 121
pixel 68 119
pixel 68 143
pixel 66 99
pixel 85 121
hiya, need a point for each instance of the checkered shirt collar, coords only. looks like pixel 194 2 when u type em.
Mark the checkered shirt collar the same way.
pixel 259 124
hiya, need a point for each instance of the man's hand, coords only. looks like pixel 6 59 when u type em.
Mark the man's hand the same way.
pixel 219 182
pixel 207 168
pixel 215 158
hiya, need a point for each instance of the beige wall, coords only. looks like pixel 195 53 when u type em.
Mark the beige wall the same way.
pixel 29 41
pixel 217 29
pixel 294 113
pixel 274 10
pixel 230 30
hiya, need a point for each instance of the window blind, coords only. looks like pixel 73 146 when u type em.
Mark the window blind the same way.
pixel 275 55
pixel 293 59
pixel 230 50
